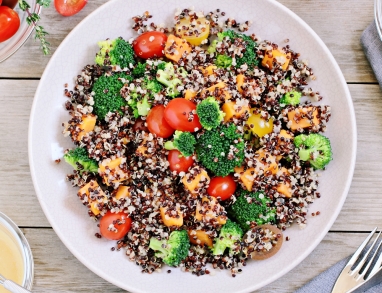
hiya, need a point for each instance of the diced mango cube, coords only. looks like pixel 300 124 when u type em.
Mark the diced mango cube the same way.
pixel 194 183
pixel 122 192
pixel 239 82
pixel 200 237
pixel 169 220
pixel 101 197
pixel 209 70
pixel 88 123
pixel 114 168
pixel 246 176
pixel 304 122
pixel 175 47
pixel 229 109
pixel 213 206
pixel 190 94
pixel 220 85
pixel 276 54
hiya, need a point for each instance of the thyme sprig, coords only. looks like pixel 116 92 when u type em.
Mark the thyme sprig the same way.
pixel 33 19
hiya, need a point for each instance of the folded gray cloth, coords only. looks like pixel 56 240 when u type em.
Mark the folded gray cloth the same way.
pixel 325 281
pixel 372 46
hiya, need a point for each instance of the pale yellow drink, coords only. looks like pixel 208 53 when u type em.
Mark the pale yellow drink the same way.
pixel 11 260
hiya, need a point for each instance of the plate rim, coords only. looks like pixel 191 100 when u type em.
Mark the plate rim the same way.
pixel 275 276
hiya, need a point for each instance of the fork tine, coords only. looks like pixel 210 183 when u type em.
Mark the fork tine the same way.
pixel 378 263
pixel 372 259
pixel 363 260
pixel 377 16
pixel 360 248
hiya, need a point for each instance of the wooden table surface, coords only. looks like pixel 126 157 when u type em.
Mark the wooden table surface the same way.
pixel 338 22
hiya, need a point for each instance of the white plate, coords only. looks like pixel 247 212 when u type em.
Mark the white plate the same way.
pixel 69 218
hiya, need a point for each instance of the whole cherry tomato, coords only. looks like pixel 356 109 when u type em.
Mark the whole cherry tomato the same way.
pixel 121 222
pixel 9 3
pixel 178 162
pixel 69 7
pixel 222 187
pixel 157 124
pixel 181 115
pixel 9 23
pixel 150 45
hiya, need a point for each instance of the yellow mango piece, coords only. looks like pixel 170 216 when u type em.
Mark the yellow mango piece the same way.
pixel 239 82
pixel 93 203
pixel 113 164
pixel 219 85
pixel 305 122
pixel 272 167
pixel 245 176
pixel 258 125
pixel 201 25
pixel 284 188
pixel 171 221
pixel 285 134
pixel 88 123
pixel 114 167
pixel 229 109
pixel 210 213
pixel 268 61
pixel 189 94
pixel 200 237
pixel 191 186
pixel 175 47
pixel 209 70
pixel 122 192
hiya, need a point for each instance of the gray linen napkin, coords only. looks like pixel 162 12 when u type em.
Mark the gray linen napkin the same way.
pixel 325 281
pixel 372 46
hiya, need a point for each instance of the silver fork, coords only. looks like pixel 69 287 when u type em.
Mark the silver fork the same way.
pixel 378 16
pixel 366 268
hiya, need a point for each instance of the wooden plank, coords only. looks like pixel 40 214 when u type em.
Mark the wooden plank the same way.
pixel 56 269
pixel 361 209
pixel 338 23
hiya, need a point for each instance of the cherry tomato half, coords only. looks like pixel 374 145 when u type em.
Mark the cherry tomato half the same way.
pixel 9 23
pixel 150 45
pixel 157 124
pixel 121 222
pixel 178 162
pixel 181 115
pixel 9 3
pixel 222 187
pixel 69 7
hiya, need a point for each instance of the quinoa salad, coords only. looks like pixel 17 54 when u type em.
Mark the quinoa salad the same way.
pixel 196 145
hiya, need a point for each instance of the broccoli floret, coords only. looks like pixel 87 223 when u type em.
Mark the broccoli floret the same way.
pixel 115 52
pixel 314 148
pixel 221 149
pixel 256 210
pixel 183 142
pixel 223 61
pixel 168 77
pixel 173 250
pixel 291 98
pixel 139 70
pixel 107 96
pixel 229 237
pixel 209 113
pixel 249 55
pixel 80 161
pixel 212 48
pixel 141 104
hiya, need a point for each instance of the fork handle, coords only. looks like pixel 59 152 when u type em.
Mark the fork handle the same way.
pixel 14 288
